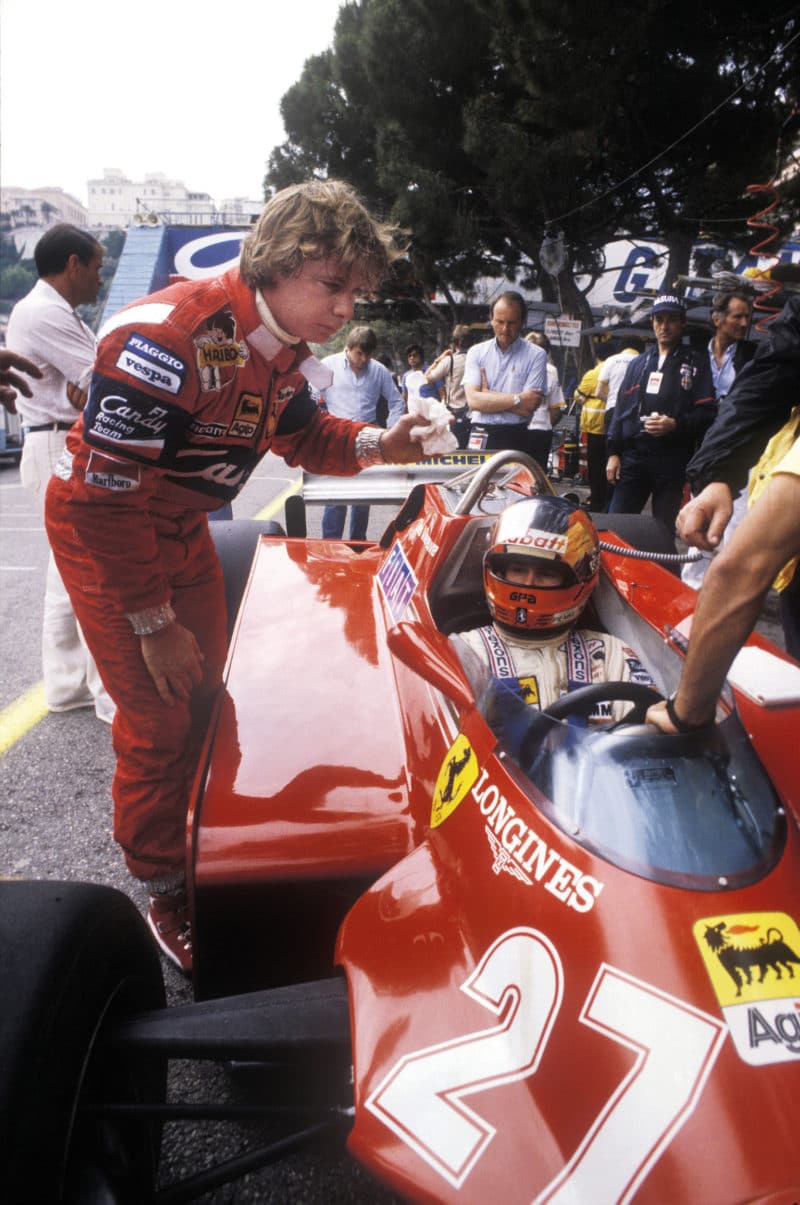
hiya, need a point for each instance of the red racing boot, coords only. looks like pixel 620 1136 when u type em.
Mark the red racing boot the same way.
pixel 168 922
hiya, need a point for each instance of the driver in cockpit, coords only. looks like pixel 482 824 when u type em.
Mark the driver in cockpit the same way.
pixel 539 571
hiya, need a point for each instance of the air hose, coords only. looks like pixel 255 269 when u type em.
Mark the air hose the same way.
pixel 662 558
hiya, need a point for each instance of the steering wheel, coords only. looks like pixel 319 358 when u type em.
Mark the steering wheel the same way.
pixel 482 478
pixel 582 702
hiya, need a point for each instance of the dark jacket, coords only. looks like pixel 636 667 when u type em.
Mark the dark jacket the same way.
pixel 745 350
pixel 759 404
pixel 682 395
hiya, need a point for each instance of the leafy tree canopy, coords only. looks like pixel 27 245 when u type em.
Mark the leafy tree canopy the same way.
pixel 480 126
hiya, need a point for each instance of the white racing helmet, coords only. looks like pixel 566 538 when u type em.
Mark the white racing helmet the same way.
pixel 561 537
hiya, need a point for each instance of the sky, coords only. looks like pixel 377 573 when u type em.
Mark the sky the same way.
pixel 190 88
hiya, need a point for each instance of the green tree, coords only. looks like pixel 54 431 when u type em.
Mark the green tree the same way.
pixel 505 120
pixel 15 281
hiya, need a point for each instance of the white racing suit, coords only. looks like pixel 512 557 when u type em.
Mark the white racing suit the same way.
pixel 544 670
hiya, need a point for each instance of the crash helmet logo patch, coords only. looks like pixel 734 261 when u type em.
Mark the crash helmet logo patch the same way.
pixel 456 777
pixel 520 616
pixel 219 353
pixel 753 961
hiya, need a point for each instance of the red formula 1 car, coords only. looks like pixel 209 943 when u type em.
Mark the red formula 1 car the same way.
pixel 569 956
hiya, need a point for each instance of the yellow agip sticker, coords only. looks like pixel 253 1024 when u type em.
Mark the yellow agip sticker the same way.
pixel 753 961
pixel 457 776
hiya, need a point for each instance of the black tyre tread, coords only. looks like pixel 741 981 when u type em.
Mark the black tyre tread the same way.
pixel 69 952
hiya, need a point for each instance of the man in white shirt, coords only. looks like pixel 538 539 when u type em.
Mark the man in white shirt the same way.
pixel 359 383
pixel 540 428
pixel 45 327
pixel 504 380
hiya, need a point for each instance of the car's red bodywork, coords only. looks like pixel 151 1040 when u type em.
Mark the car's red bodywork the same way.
pixel 529 1020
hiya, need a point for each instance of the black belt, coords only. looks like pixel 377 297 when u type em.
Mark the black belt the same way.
pixel 49 427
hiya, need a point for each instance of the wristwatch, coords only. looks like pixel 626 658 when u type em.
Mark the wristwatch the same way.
pixel 517 401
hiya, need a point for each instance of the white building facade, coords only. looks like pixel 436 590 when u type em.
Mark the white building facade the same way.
pixel 116 201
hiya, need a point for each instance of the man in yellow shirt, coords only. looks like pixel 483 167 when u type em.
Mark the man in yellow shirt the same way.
pixel 593 426
pixel 733 592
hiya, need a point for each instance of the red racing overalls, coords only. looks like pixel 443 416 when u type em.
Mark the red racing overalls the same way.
pixel 189 390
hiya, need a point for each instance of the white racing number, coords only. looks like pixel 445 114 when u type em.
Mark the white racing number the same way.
pixel 520 979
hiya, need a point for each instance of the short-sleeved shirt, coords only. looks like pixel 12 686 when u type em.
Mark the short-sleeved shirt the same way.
pixel 781 455
pixel 44 327
pixel 522 367
pixel 613 370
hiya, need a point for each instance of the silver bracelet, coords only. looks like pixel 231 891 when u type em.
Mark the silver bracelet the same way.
pixel 153 619
pixel 368 447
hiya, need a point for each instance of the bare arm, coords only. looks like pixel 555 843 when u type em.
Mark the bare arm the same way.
pixel 490 401
pixel 731 599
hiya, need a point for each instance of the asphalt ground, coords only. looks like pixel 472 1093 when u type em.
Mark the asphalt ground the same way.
pixel 55 823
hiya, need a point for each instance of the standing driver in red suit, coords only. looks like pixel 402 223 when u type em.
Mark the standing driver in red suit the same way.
pixel 175 424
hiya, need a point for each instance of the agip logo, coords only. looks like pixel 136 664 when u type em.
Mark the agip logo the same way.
pixel 753 961
pixel 457 776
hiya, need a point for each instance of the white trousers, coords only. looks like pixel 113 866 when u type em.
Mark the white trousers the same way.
pixel 70 674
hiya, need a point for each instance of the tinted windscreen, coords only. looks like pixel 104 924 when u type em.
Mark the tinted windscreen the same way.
pixel 694 810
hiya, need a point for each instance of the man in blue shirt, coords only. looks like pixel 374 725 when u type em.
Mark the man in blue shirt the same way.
pixel 504 380
pixel 359 383
pixel 729 349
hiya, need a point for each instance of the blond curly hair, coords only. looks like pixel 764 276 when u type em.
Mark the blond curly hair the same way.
pixel 321 219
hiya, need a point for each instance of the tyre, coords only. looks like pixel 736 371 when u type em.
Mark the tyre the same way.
pixel 73 958
pixel 644 532
pixel 235 541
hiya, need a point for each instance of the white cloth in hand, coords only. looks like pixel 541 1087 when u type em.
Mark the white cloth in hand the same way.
pixel 436 437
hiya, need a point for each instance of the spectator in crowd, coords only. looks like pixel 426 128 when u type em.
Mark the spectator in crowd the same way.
pixel 360 384
pixel 609 379
pixel 413 379
pixel 729 348
pixel 760 406
pixel 504 380
pixel 45 327
pixel 127 507
pixel 535 598
pixel 592 425
pixel 728 352
pixel 11 383
pixel 447 371
pixel 658 421
pixel 540 428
